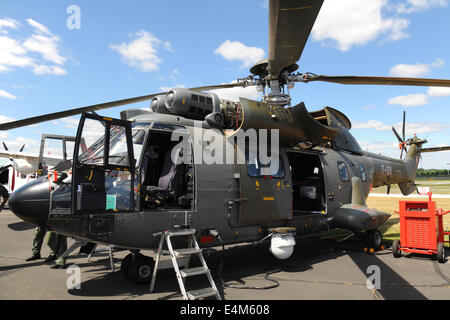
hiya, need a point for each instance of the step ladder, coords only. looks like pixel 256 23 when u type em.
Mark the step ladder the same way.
pixel 192 249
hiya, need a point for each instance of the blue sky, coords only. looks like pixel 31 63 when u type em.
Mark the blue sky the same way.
pixel 132 48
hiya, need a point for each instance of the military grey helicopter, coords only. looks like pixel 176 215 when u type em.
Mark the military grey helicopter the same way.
pixel 128 184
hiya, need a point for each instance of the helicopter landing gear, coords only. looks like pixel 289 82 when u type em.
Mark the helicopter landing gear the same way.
pixel 373 239
pixel 137 268
pixel 125 264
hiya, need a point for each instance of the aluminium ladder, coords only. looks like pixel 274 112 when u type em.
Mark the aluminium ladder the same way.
pixel 193 249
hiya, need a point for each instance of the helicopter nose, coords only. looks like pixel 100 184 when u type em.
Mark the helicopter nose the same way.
pixel 31 202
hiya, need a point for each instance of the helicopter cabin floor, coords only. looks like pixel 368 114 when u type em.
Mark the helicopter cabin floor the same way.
pixel 319 269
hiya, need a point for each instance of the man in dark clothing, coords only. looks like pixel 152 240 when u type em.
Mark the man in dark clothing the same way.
pixel 4 195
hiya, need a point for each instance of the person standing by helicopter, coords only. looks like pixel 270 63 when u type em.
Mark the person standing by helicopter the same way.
pixel 4 194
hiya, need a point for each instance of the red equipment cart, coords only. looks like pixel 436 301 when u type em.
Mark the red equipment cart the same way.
pixel 421 229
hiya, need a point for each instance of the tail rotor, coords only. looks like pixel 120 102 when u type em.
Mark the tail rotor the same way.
pixel 402 140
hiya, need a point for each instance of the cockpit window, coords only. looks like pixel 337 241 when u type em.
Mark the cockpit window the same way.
pixel 94 135
pixel 118 152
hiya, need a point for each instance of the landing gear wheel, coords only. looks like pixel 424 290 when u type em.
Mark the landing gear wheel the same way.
pixel 396 249
pixel 140 269
pixel 441 252
pixel 125 264
pixel 373 239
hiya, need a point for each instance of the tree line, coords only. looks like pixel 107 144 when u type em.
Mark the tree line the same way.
pixel 432 172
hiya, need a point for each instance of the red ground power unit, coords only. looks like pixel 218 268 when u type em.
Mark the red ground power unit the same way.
pixel 421 230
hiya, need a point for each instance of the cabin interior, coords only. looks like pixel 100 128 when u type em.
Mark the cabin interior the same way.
pixel 307 184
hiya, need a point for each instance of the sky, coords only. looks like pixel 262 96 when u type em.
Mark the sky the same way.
pixel 56 55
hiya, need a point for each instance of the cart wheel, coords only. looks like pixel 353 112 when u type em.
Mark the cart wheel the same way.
pixel 441 252
pixel 396 249
pixel 373 239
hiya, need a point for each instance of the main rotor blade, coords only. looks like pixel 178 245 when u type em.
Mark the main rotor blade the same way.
pixel 290 24
pixel 389 81
pixel 220 86
pixel 101 106
pixel 437 149
pixel 71 112
pixel 404 125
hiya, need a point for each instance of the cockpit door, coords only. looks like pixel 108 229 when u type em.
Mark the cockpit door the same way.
pixel 104 172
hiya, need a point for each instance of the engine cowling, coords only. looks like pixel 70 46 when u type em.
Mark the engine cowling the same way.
pixel 158 104
pixel 192 104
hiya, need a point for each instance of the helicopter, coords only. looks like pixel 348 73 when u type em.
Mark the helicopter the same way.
pixel 193 161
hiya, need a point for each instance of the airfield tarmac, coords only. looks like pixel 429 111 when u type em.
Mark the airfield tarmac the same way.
pixel 319 269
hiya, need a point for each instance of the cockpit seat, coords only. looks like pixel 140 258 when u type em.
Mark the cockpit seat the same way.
pixel 169 180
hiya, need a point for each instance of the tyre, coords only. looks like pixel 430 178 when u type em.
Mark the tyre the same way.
pixel 124 265
pixel 373 239
pixel 441 252
pixel 140 269
pixel 396 249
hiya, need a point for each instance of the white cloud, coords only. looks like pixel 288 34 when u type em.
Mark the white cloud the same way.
pixel 371 124
pixel 166 88
pixel 420 99
pixel 410 100
pixel 142 51
pixel 18 53
pixel 408 70
pixel 5 119
pixel 13 54
pixel 411 127
pixel 43 69
pixel 438 92
pixel 415 70
pixel 70 123
pixel 238 92
pixel 237 51
pixel 47 46
pixel 39 26
pixel 422 128
pixel 368 107
pixel 411 6
pixel 8 23
pixel 351 23
pixel 387 148
pixel 7 95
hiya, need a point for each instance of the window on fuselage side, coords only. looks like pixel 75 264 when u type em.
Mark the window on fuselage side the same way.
pixel 343 171
pixel 363 173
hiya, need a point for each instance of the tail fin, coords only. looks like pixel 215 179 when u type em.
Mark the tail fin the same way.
pixel 413 157
pixel 412 161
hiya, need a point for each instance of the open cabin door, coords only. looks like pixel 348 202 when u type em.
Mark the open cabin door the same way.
pixel 103 173
pixel 265 197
